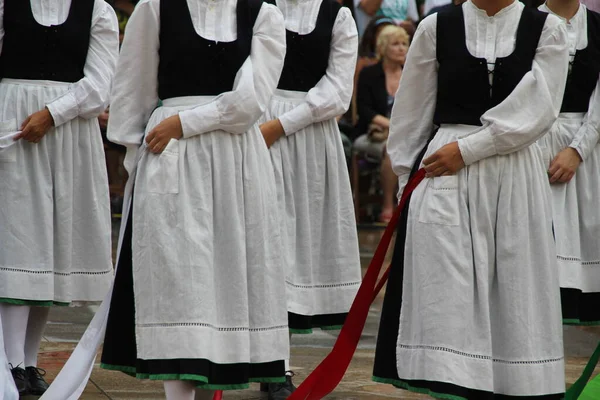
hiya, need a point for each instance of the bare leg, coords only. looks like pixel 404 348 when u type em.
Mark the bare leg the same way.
pixel 179 390
pixel 388 186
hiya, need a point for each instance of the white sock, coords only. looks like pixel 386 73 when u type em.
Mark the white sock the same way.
pixel 179 390
pixel 14 324
pixel 38 316
pixel 202 394
pixel 287 362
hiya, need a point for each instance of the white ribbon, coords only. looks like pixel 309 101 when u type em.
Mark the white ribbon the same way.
pixel 7 139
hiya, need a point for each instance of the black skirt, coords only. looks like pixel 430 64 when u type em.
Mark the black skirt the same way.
pixel 580 308
pixel 120 354
pixel 304 324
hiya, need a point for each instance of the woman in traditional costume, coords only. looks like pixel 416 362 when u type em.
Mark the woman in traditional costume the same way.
pixel 197 295
pixel 472 308
pixel 56 68
pixel 320 242
pixel 573 164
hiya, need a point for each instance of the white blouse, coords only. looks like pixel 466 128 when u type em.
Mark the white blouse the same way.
pixel 588 135
pixel 135 91
pixel 512 125
pixel 332 94
pixel 88 97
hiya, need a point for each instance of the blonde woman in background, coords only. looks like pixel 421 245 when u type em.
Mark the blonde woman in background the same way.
pixel 377 86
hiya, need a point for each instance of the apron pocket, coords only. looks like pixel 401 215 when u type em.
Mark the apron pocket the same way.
pixel 163 170
pixel 8 131
pixel 440 202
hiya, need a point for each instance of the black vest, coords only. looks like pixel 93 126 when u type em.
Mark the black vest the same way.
pixel 37 52
pixel 585 68
pixel 307 56
pixel 193 66
pixel 464 92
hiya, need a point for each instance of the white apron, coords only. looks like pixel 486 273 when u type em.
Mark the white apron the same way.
pixel 319 232
pixel 480 254
pixel 55 219
pixel 575 208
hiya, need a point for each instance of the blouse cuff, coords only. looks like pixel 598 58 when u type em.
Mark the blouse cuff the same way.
pixel 477 146
pixel 199 120
pixel 63 109
pixel 296 119
pixel 130 158
pixel 402 181
pixel 585 144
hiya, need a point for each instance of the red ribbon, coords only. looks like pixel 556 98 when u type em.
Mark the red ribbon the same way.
pixel 328 374
pixel 325 378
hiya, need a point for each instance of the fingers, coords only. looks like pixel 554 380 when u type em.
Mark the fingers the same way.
pixel 25 132
pixel 24 124
pixel 555 164
pixel 154 141
pixel 150 136
pixel 268 141
pixel 439 171
pixel 432 166
pixel 157 143
pixel 557 176
pixel 566 177
pixel 431 159
pixel 157 146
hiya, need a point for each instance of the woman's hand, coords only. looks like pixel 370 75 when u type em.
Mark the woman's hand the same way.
pixel 159 137
pixel 272 131
pixel 563 167
pixel 445 161
pixel 103 119
pixel 382 121
pixel 36 126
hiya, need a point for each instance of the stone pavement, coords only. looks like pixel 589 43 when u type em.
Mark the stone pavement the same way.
pixel 67 324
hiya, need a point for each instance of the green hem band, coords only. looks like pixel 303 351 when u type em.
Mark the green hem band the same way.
pixel 268 380
pixel 311 330
pixel 403 385
pixel 201 380
pixel 36 303
pixel 128 370
pixel 331 328
pixel 301 331
pixel 577 322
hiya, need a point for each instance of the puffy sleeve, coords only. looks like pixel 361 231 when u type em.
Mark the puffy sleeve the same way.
pixel 332 94
pixel 88 97
pixel 411 123
pixel 531 109
pixel 135 90
pixel 236 111
pixel 588 135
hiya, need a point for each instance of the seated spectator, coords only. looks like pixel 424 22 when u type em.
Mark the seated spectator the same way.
pixel 377 86
pixel 367 50
pixel 367 55
pixel 403 12
pixel 433 6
